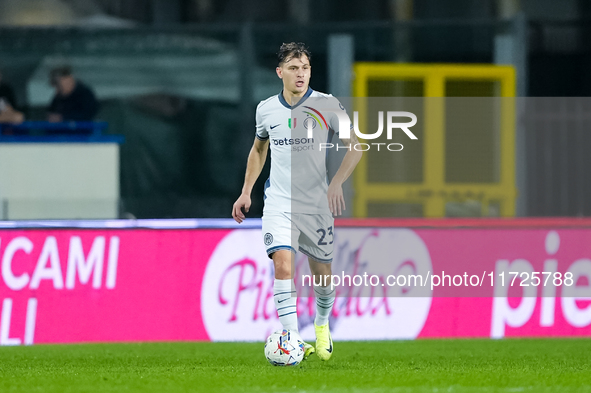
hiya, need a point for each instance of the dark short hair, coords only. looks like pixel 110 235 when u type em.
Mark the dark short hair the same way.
pixel 292 49
pixel 58 72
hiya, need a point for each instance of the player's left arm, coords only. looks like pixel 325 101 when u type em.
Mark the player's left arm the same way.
pixel 336 200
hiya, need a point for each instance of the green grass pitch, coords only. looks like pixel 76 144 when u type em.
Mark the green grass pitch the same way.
pixel 528 365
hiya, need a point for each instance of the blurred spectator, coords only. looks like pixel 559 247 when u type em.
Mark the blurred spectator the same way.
pixel 73 99
pixel 8 113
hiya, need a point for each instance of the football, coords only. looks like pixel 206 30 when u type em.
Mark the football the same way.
pixel 284 348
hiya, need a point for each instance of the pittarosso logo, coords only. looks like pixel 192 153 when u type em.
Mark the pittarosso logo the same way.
pixel 237 291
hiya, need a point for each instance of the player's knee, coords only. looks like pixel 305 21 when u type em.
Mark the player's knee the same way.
pixel 283 271
pixel 282 262
pixel 322 280
pixel 320 268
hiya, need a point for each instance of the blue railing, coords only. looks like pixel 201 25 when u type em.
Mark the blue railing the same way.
pixel 86 127
pixel 68 131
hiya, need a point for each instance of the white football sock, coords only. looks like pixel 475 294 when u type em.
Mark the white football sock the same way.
pixel 285 303
pixel 324 304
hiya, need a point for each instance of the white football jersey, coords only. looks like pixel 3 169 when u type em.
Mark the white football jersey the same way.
pixel 298 178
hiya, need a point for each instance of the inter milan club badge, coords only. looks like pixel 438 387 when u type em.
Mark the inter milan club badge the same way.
pixel 268 238
pixel 309 122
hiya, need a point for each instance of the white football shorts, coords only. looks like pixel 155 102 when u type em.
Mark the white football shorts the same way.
pixel 312 234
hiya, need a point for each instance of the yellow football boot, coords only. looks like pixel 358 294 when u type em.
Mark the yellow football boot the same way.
pixel 323 342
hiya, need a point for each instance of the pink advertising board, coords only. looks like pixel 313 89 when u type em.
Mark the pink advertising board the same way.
pixel 113 285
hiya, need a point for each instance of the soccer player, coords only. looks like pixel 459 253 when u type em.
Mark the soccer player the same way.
pixel 299 204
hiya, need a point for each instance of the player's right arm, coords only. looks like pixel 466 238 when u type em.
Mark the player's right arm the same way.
pixel 254 166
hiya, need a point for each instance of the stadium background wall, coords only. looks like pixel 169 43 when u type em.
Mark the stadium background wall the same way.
pixel 177 281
